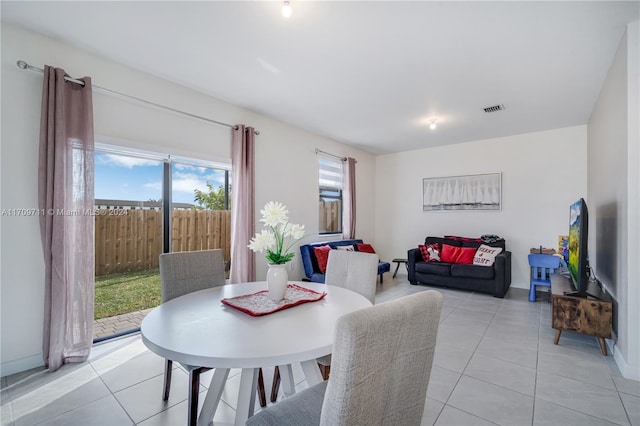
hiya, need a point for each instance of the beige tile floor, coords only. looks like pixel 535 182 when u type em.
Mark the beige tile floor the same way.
pixel 495 364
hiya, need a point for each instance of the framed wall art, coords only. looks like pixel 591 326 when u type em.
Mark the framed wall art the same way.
pixel 466 192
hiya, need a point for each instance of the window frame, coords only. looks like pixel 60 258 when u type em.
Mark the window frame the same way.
pixel 325 191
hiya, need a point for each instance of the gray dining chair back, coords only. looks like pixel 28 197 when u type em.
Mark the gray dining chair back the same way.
pixel 382 358
pixel 356 271
pixel 188 271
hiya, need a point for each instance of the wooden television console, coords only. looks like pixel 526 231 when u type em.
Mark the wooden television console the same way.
pixel 585 315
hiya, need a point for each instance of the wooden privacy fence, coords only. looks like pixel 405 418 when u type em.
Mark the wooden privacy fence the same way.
pixel 132 240
pixel 329 214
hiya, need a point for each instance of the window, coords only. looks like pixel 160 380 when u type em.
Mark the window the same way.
pixel 148 203
pixel 330 196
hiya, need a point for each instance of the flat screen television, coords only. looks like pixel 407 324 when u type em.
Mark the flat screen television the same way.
pixel 578 259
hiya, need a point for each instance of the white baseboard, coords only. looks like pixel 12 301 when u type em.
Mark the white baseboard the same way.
pixel 11 367
pixel 628 371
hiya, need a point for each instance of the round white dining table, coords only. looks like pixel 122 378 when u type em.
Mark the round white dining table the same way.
pixel 197 329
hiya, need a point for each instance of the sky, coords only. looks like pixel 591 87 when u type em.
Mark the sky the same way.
pixel 119 177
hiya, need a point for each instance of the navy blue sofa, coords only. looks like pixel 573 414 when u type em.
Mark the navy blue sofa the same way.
pixel 310 263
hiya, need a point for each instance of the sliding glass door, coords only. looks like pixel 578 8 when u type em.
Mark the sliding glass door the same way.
pixel 128 239
pixel 147 204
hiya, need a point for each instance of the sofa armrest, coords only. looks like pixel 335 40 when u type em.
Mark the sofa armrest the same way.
pixel 502 274
pixel 413 256
pixel 305 254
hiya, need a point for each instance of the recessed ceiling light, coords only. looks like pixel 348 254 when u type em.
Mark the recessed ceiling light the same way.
pixel 286 9
pixel 434 124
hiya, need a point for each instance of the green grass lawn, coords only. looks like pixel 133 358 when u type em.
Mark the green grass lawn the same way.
pixel 126 292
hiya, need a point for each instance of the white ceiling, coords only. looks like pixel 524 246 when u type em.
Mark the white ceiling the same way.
pixel 367 73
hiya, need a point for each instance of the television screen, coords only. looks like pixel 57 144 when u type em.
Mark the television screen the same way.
pixel 578 236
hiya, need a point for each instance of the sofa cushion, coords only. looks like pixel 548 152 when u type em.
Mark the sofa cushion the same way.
pixel 365 248
pixel 471 244
pixel 463 239
pixel 322 256
pixel 462 255
pixel 472 271
pixel 486 255
pixel 441 241
pixel 434 268
pixel 430 253
pixel 494 241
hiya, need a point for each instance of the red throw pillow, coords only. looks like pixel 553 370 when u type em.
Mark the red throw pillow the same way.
pixel 322 256
pixel 431 252
pixel 365 248
pixel 460 255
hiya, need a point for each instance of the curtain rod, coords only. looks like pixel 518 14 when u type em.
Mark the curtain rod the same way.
pixel 25 66
pixel 331 155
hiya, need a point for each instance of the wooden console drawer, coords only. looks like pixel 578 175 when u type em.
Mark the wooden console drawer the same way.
pixel 583 315
pixel 586 316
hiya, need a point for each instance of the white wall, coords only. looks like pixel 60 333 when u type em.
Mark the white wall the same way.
pixel 614 196
pixel 631 360
pixel 542 174
pixel 286 165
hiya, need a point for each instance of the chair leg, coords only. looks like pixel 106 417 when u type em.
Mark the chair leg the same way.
pixel 168 367
pixel 275 385
pixel 262 396
pixel 194 389
pixel 532 293
pixel 324 370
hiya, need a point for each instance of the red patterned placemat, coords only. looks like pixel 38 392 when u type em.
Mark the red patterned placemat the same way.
pixel 257 304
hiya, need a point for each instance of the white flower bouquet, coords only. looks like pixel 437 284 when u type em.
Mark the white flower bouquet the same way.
pixel 280 235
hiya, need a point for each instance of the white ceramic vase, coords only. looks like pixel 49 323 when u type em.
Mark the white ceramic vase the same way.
pixel 277 280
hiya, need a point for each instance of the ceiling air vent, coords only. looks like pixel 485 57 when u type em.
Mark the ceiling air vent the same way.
pixel 494 108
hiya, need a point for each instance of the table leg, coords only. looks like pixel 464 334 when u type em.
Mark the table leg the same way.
pixel 557 339
pixel 286 378
pixel 311 372
pixel 246 395
pixel 396 271
pixel 603 346
pixel 213 396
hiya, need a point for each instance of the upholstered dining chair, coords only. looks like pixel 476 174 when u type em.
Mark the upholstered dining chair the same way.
pixel 183 273
pixel 356 271
pixel 396 340
pixel 353 270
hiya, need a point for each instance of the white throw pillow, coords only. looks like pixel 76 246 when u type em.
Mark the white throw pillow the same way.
pixel 486 255
pixel 347 248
